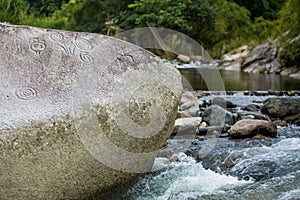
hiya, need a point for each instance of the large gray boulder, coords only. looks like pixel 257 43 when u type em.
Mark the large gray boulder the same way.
pixel 287 108
pixel 81 114
pixel 263 58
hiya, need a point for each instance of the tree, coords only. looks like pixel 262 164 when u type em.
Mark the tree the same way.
pixel 194 18
pixel 231 26
pixel 268 9
pixel 290 24
pixel 90 15
pixel 45 7
pixel 290 17
pixel 13 11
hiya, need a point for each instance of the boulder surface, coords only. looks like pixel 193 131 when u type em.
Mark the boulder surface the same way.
pixel 248 128
pixel 215 115
pixel 286 108
pixel 81 114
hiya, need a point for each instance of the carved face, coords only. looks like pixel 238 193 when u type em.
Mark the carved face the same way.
pixel 38 46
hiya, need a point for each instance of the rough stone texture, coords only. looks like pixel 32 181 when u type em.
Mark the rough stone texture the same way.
pixel 234 59
pixel 297 75
pixel 287 109
pixel 183 58
pixel 248 128
pixel 263 58
pixel 251 107
pixel 289 71
pixel 186 126
pixel 75 108
pixel 222 102
pixel 215 115
pixel 189 106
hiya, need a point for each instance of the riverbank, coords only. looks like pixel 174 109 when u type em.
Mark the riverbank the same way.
pixel 206 162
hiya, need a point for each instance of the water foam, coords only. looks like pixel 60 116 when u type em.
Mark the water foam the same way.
pixel 184 179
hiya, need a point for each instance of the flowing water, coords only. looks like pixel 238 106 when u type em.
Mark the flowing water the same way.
pixel 233 169
pixel 257 169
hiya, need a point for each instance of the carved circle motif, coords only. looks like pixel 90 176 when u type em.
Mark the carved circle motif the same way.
pixel 26 93
pixel 56 36
pixel 38 46
pixel 83 44
pixel 86 58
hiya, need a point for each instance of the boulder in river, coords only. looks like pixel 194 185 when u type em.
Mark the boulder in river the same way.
pixel 215 115
pixel 263 58
pixel 248 128
pixel 287 108
pixel 81 114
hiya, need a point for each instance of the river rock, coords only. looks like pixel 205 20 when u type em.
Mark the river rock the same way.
pixel 251 107
pixel 287 108
pixel 280 123
pixel 212 130
pixel 183 58
pixel 81 114
pixel 186 126
pixel 215 115
pixel 263 58
pixel 248 128
pixel 234 59
pixel 188 106
pixel 296 75
pixel 289 71
pixel 222 102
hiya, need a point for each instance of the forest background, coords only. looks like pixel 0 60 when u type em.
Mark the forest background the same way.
pixel 219 26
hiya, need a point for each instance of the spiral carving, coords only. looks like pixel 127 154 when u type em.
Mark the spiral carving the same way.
pixel 86 58
pixel 26 93
pixel 56 36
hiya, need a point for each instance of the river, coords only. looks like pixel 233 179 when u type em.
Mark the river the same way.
pixel 233 169
pixel 237 80
pixel 263 170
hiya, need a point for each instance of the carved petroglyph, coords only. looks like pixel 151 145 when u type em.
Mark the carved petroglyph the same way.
pixel 79 46
pixel 26 93
pixel 56 37
pixel 83 44
pixel 68 50
pixel 38 46
pixel 86 58
pixel 50 97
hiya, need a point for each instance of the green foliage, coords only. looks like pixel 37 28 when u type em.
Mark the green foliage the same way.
pixel 261 29
pixel 268 9
pixel 13 11
pixel 290 18
pixel 290 53
pixel 231 26
pixel 89 15
pixel 218 25
pixel 194 18
pixel 45 7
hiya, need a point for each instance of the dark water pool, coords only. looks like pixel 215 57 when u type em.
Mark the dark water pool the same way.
pixel 213 79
